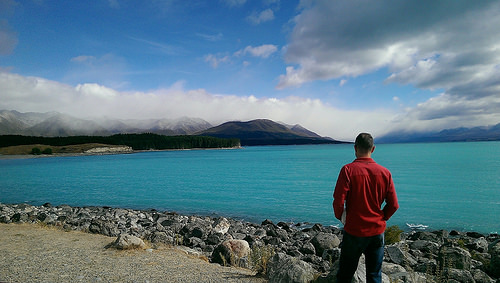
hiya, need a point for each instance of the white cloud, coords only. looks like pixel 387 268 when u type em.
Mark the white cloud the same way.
pixel 214 60
pixel 96 91
pixel 27 94
pixel 108 69
pixel 264 16
pixel 211 37
pixel 263 51
pixel 430 45
pixel 83 59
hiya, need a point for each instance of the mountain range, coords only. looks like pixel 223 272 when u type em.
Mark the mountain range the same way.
pixel 487 133
pixel 256 132
pixel 53 124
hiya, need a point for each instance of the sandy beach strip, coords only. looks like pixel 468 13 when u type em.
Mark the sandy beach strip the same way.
pixel 36 253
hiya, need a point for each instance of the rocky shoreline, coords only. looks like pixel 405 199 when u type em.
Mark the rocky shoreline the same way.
pixel 284 252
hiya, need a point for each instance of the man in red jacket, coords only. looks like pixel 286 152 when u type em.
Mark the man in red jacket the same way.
pixel 361 189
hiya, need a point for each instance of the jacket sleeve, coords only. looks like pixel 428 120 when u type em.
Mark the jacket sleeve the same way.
pixel 340 193
pixel 391 201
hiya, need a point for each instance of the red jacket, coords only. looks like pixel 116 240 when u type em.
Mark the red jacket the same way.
pixel 363 186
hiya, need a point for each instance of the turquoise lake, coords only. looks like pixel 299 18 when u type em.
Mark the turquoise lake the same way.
pixel 442 185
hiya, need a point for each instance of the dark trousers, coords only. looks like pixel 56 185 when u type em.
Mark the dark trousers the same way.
pixel 351 250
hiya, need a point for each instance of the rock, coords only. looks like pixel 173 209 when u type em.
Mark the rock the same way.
pixel 267 222
pixel 359 275
pixel 126 242
pixel 308 248
pixel 454 257
pixel 494 251
pixel 189 251
pixel 478 244
pixel 103 228
pixel 161 237
pixel 411 277
pixel 324 241
pixel 284 268
pixel 231 252
pixel 458 275
pixel 423 235
pixel 239 248
pixel 331 255
pixel 390 268
pixel 425 246
pixel 420 252
pixel 396 255
pixel 481 277
pixel 475 235
pixel 20 217
pixel 222 225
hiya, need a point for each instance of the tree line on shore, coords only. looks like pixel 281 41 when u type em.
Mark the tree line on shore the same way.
pixel 144 141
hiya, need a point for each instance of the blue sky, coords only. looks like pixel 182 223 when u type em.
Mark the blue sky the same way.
pixel 335 67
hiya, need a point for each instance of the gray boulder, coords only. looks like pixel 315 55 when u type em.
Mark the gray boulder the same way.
pixel 126 242
pixel 232 252
pixel 398 256
pixel 481 277
pixel 425 246
pixel 359 275
pixel 454 257
pixel 104 228
pixel 286 269
pixel 307 248
pixel 324 241
pixel 479 244
pixel 162 237
pixel 458 275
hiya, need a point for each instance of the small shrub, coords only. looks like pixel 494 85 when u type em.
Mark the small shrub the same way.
pixel 47 151
pixel 259 258
pixel 36 151
pixel 392 235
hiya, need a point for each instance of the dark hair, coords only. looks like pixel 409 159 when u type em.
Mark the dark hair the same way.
pixel 364 142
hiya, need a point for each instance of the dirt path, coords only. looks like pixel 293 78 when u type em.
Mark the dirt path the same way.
pixel 32 253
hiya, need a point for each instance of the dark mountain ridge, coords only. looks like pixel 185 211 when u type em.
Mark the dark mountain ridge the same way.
pixel 266 132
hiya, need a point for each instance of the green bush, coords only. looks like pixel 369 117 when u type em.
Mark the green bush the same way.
pixel 36 151
pixel 47 151
pixel 392 235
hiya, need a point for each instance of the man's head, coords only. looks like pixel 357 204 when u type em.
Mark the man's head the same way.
pixel 363 145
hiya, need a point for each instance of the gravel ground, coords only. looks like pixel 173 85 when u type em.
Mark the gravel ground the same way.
pixel 32 253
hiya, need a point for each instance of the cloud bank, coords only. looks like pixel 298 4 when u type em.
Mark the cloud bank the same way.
pixel 453 46
pixel 33 94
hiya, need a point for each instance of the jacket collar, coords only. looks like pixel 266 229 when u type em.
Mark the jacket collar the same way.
pixel 365 160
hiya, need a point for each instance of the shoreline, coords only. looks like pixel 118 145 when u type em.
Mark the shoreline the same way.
pixel 316 246
pixel 76 154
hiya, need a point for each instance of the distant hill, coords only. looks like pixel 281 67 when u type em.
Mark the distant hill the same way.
pixel 491 133
pixel 55 124
pixel 52 124
pixel 266 132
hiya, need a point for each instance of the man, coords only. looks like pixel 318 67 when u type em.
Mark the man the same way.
pixel 361 189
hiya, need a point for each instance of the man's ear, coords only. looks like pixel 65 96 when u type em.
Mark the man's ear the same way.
pixel 373 149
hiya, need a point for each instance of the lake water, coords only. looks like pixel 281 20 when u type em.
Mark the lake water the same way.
pixel 442 185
